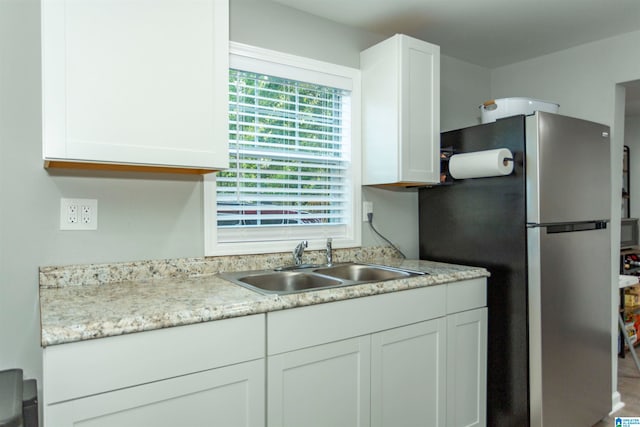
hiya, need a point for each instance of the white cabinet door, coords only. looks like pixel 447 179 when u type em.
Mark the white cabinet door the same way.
pixel 408 375
pixel 467 368
pixel 135 82
pixel 401 112
pixel 232 396
pixel 420 111
pixel 325 385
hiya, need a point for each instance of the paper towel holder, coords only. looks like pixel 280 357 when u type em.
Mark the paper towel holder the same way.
pixel 448 154
pixel 445 155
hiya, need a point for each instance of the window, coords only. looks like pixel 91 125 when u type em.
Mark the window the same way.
pixel 294 165
pixel 288 144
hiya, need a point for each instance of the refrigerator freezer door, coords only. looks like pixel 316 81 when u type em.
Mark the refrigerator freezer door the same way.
pixel 569 326
pixel 568 164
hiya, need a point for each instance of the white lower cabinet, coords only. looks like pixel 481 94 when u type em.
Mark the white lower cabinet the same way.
pixel 229 396
pixel 205 374
pixel 408 375
pixel 467 368
pixel 415 358
pixel 325 385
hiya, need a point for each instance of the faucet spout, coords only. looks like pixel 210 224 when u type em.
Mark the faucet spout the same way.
pixel 298 251
pixel 329 252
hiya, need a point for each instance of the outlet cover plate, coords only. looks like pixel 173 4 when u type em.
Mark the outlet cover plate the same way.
pixel 78 214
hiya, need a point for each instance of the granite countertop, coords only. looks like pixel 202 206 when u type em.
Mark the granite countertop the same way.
pixel 96 310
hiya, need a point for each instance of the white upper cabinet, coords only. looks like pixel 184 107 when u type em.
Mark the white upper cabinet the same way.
pixel 401 112
pixel 135 83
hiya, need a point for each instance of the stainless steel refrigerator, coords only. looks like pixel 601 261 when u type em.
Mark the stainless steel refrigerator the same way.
pixel 543 232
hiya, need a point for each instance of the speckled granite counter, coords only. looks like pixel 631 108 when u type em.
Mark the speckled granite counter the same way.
pixel 85 302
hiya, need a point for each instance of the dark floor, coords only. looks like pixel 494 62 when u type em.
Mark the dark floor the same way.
pixel 629 388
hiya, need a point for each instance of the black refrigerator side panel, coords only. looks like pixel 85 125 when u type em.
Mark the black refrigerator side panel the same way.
pixel 482 222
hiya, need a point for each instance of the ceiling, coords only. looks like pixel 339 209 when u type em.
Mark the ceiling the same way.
pixel 489 33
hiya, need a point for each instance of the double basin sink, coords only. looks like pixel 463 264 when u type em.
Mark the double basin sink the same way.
pixel 314 277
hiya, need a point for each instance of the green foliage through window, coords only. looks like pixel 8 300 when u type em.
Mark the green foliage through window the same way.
pixel 289 153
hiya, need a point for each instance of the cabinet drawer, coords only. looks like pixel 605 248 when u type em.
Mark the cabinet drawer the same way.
pixel 318 324
pixel 466 295
pixel 97 366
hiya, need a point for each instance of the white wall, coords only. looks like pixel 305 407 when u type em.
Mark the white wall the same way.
pixel 580 79
pixel 463 87
pixel 270 25
pixel 584 81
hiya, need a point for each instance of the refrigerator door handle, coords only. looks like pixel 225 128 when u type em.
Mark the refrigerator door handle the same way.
pixel 579 226
pixel 569 227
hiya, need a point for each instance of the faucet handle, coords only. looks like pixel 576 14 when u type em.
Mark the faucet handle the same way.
pixel 298 251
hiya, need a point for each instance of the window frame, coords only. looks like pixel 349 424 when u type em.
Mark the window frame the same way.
pixel 284 238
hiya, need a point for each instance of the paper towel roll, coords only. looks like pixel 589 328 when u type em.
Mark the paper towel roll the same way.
pixel 481 164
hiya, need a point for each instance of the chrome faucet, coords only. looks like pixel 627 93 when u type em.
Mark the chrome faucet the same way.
pixel 298 251
pixel 329 252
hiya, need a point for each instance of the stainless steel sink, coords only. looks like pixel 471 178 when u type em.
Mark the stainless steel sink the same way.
pixel 288 281
pixel 362 272
pixel 313 278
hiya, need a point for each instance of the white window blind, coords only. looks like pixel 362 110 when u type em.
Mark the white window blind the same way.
pixel 289 144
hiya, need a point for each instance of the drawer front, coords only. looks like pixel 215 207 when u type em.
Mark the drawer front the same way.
pixel 96 366
pixel 466 295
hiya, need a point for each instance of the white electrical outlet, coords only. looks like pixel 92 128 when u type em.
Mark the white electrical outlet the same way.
pixel 367 208
pixel 86 214
pixel 72 213
pixel 78 214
